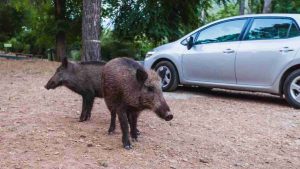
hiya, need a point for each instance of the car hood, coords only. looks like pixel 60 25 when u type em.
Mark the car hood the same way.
pixel 164 47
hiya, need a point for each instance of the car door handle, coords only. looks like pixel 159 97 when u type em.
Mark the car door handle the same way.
pixel 286 49
pixel 228 51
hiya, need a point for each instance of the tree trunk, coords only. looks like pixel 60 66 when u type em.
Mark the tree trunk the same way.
pixel 267 6
pixel 60 10
pixel 203 17
pixel 247 6
pixel 60 46
pixel 91 30
pixel 242 7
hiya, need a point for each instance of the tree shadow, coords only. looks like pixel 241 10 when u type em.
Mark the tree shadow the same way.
pixel 246 96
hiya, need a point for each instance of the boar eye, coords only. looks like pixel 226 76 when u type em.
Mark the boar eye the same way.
pixel 150 89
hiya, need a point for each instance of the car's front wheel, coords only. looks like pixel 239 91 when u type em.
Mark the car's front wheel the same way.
pixel 168 74
pixel 291 89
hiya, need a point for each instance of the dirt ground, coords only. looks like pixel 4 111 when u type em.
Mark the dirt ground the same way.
pixel 211 129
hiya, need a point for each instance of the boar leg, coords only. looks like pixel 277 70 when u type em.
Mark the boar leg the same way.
pixel 124 127
pixel 90 104
pixel 113 116
pixel 83 111
pixel 132 118
pixel 87 105
pixel 112 126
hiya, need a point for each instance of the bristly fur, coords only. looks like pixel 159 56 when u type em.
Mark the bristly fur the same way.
pixel 83 78
pixel 92 63
pixel 131 63
pixel 153 75
pixel 128 89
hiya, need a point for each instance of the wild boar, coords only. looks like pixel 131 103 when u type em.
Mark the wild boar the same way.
pixel 128 89
pixel 83 78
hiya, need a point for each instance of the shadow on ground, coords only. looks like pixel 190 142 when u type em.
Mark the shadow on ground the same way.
pixel 263 98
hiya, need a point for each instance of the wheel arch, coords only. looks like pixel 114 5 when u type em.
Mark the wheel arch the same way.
pixel 165 59
pixel 286 74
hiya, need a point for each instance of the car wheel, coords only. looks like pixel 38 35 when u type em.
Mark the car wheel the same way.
pixel 168 74
pixel 291 89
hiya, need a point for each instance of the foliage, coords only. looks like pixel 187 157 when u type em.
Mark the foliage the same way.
pixel 111 47
pixel 286 6
pixel 75 55
pixel 10 22
pixel 230 10
pixel 255 6
pixel 157 20
pixel 139 25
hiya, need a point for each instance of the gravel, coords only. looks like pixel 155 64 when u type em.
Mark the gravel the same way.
pixel 211 128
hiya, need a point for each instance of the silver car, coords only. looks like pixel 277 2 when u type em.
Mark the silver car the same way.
pixel 252 52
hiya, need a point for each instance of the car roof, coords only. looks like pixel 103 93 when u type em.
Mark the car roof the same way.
pixel 294 16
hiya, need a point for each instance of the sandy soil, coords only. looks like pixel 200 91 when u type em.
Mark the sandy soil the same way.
pixel 210 129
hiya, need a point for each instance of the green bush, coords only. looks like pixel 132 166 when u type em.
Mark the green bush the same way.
pixel 75 55
pixel 112 47
pixel 17 46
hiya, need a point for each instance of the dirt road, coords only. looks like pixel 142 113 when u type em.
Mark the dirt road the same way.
pixel 210 129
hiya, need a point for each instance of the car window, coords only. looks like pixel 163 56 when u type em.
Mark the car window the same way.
pixel 269 29
pixel 223 32
pixel 294 31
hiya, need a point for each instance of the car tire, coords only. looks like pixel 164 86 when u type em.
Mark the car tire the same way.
pixel 291 89
pixel 170 80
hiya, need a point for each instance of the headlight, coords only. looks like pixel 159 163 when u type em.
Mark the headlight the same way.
pixel 150 53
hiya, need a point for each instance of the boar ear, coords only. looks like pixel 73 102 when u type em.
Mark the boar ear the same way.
pixel 64 62
pixel 141 75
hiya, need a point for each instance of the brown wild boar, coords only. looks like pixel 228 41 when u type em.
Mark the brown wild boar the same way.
pixel 127 90
pixel 83 78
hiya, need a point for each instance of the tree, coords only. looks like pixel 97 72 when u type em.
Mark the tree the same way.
pixel 206 5
pixel 286 6
pixel 203 8
pixel 267 6
pixel 91 30
pixel 10 22
pixel 60 11
pixel 157 20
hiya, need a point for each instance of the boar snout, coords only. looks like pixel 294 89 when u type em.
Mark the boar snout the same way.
pixel 51 85
pixel 46 87
pixel 164 112
pixel 165 115
pixel 169 117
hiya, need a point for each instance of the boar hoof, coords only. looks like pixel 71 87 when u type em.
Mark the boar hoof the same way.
pixel 111 132
pixel 134 139
pixel 128 147
pixel 82 120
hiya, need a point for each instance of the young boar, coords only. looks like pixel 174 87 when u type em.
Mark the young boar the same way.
pixel 83 78
pixel 127 90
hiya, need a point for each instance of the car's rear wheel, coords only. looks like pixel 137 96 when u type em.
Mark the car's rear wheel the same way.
pixel 168 74
pixel 291 89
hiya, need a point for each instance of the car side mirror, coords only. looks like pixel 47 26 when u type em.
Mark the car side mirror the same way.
pixel 190 43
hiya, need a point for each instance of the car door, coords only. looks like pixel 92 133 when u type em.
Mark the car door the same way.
pixel 266 49
pixel 212 57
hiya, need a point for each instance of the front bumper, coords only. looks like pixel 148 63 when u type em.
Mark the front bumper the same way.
pixel 141 62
